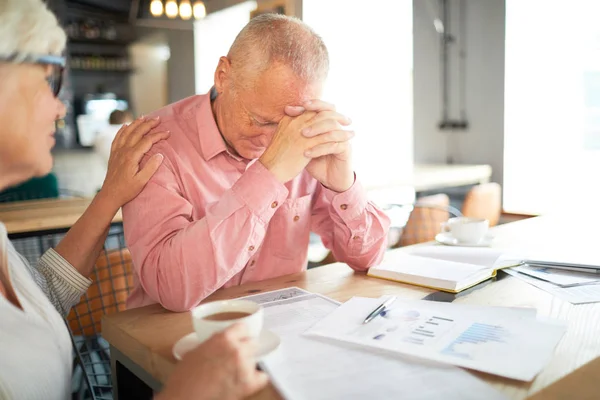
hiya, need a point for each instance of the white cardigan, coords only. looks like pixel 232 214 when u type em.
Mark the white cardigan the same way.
pixel 36 355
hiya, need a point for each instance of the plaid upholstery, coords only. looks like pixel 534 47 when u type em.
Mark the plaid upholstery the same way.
pixel 112 279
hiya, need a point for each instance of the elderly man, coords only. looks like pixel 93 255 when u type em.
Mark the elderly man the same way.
pixel 249 170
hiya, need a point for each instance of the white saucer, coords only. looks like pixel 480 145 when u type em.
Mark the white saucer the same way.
pixel 267 343
pixel 449 240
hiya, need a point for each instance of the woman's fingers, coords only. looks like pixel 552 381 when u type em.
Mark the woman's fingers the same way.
pixel 257 381
pixel 137 133
pixel 123 133
pixel 150 168
pixel 147 142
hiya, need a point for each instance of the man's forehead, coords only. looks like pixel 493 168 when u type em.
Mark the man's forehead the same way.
pixel 276 88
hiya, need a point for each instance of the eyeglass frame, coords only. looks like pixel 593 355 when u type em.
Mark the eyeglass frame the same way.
pixel 41 59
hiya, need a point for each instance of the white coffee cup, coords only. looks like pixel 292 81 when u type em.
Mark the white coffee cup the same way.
pixel 215 316
pixel 465 229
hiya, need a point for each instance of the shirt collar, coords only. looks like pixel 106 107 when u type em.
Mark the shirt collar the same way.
pixel 211 141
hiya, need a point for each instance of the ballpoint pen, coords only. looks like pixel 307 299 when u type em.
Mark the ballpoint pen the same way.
pixel 379 309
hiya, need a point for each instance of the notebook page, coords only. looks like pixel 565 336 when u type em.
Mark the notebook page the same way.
pixel 486 257
pixel 430 268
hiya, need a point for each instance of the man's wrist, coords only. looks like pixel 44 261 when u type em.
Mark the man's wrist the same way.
pixel 340 187
pixel 271 167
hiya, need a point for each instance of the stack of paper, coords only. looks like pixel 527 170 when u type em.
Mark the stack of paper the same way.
pixel 310 368
pixel 571 275
pixel 559 277
pixel 584 259
pixel 575 294
pixel 500 341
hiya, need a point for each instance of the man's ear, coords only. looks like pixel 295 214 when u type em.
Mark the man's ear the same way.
pixel 222 75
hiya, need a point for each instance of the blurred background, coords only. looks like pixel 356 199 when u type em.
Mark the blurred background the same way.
pixel 445 95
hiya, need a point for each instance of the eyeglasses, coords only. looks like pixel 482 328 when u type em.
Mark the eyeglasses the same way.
pixel 57 63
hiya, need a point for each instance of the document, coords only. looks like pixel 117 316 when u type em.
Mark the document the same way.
pixel 560 277
pixel 312 368
pixel 480 338
pixel 485 257
pixel 576 294
pixel 276 295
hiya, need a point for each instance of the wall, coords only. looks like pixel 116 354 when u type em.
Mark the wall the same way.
pixel 483 142
pixel 224 25
pixel 148 85
pixel 181 80
pixel 370 81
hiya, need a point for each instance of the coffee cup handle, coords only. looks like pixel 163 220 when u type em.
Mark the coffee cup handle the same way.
pixel 445 227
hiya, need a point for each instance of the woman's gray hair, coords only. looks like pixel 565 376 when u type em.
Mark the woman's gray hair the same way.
pixel 28 27
pixel 271 38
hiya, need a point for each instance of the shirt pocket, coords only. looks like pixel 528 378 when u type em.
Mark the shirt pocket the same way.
pixel 290 231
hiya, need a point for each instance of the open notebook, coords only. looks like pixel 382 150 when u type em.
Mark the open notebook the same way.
pixel 449 269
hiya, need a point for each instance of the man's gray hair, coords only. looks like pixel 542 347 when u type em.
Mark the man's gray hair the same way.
pixel 28 27
pixel 275 38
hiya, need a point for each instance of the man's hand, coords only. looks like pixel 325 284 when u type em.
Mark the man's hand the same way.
pixel 331 162
pixel 290 151
pixel 223 367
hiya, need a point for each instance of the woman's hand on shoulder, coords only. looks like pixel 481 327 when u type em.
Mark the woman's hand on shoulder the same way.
pixel 125 179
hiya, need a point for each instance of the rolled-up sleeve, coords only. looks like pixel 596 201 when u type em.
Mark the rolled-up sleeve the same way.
pixel 60 281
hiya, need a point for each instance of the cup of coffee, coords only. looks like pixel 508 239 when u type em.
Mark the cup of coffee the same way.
pixel 214 317
pixel 465 229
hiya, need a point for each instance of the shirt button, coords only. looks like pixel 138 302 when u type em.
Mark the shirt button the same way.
pixel 252 263
pixel 356 237
pixel 344 206
pixel 251 248
pixel 296 218
pixel 274 204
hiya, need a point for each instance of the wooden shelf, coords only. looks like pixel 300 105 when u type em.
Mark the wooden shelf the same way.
pixel 101 41
pixel 122 71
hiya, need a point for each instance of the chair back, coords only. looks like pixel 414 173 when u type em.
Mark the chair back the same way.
pixel 484 201
pixel 426 218
pixel 36 188
pixel 112 280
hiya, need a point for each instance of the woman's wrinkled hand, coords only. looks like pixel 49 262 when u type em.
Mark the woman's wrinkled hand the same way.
pixel 223 367
pixel 124 178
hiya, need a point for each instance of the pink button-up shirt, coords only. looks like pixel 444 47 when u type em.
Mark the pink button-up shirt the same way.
pixel 208 219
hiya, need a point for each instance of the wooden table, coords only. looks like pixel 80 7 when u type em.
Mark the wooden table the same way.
pixel 37 217
pixel 142 339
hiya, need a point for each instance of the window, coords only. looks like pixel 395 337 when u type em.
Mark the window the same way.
pixel 213 36
pixel 552 105
pixel 370 80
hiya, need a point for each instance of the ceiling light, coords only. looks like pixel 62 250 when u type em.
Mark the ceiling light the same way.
pixel 171 8
pixel 156 8
pixel 199 10
pixel 185 9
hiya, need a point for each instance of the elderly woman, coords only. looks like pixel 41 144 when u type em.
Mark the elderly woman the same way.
pixel 35 350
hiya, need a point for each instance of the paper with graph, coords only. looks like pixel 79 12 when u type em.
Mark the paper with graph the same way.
pixel 311 368
pixel 500 341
